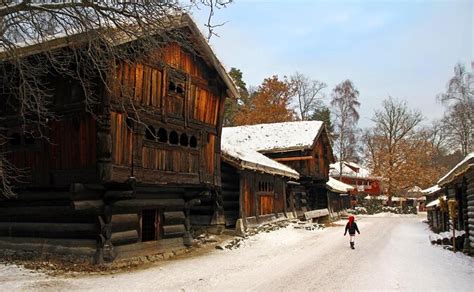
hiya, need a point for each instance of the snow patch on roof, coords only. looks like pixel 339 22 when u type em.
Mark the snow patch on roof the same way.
pixel 251 159
pixel 274 137
pixel 434 203
pixel 349 169
pixel 431 190
pixel 459 169
pixel 338 186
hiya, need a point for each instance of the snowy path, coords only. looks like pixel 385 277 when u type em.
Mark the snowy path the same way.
pixel 391 254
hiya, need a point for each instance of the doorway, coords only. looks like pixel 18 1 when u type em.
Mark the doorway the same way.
pixel 151 225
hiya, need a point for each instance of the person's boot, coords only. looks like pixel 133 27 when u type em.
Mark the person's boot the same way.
pixel 352 245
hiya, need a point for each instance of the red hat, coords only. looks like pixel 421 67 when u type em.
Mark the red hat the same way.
pixel 351 220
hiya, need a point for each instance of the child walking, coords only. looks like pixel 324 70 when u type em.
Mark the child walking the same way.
pixel 351 226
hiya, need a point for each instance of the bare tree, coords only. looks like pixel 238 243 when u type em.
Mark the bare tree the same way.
pixel 395 124
pixel 81 41
pixel 345 105
pixel 459 118
pixel 437 135
pixel 308 94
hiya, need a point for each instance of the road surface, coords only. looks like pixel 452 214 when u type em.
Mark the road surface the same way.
pixel 392 253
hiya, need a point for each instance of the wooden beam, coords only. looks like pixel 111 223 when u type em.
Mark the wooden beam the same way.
pixel 294 158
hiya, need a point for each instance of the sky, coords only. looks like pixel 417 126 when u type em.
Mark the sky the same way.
pixel 405 49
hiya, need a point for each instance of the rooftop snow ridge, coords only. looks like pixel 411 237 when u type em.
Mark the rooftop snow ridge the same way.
pixel 286 136
pixel 250 159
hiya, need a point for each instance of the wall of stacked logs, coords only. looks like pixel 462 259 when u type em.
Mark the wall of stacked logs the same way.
pixel 469 198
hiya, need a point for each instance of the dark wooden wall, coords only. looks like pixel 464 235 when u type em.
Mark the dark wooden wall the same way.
pixel 166 112
pixel 311 163
pixel 260 194
pixel 160 124
pixel 66 153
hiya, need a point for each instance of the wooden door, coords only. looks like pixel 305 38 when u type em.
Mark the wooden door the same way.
pixel 150 225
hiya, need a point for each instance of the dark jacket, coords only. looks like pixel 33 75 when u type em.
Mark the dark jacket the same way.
pixel 352 228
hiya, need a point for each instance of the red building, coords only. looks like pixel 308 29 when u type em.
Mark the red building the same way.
pixel 358 177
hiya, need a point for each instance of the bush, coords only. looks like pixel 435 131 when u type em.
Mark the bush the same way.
pixel 371 207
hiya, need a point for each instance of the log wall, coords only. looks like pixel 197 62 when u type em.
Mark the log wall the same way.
pixel 251 194
pixel 67 154
pixel 469 211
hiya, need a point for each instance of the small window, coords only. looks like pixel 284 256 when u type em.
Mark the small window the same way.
pixel 174 139
pixel 162 135
pixel 183 140
pixel 193 142
pixel 129 122
pixel 29 139
pixel 150 133
pixel 180 89
pixel 171 86
pixel 15 139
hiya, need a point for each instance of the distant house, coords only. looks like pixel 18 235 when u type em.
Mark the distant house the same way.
pixel 458 186
pixel 303 146
pixel 436 211
pixel 254 187
pixel 360 178
pixel 415 197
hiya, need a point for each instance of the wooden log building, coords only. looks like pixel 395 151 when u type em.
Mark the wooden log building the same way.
pixel 131 176
pixel 338 197
pixel 458 186
pixel 254 187
pixel 303 146
pixel 436 209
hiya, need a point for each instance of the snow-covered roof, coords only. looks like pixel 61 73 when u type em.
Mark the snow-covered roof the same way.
pixel 434 203
pixel 398 199
pixel 338 186
pixel 381 197
pixel 458 170
pixel 415 189
pixel 431 190
pixel 250 159
pixel 275 137
pixel 349 169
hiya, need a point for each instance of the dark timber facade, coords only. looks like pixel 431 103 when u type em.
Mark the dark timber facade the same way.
pixel 118 181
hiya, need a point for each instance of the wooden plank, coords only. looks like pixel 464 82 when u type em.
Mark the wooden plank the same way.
pixel 154 88
pixel 135 204
pixel 174 229
pixel 294 158
pixel 118 139
pixel 174 217
pixel 147 85
pixel 95 205
pixel 124 237
pixel 75 247
pixel 51 229
pixel 123 222
pixel 316 213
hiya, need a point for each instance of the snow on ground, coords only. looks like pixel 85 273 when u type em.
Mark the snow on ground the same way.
pixel 387 214
pixel 392 253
